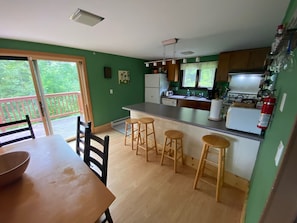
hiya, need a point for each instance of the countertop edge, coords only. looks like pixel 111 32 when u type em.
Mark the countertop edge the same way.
pixel 172 113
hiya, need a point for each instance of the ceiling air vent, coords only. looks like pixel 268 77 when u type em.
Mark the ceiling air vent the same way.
pixel 86 18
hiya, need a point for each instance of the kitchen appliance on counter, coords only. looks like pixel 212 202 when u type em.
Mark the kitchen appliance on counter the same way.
pixel 243 119
pixel 155 85
pixel 240 104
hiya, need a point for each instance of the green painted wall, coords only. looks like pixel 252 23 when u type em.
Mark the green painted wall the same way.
pixel 280 129
pixel 106 107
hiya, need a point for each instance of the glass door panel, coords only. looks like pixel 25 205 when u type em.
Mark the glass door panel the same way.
pixel 17 94
pixel 61 92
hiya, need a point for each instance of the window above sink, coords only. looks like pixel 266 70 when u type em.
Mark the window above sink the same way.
pixel 198 75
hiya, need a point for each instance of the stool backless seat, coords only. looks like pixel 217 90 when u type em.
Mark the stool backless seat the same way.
pixel 220 144
pixel 173 147
pixel 146 138
pixel 131 128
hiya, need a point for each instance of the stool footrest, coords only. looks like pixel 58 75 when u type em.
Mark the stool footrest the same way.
pixel 211 162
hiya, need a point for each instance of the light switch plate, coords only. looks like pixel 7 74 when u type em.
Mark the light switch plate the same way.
pixel 279 152
pixel 281 107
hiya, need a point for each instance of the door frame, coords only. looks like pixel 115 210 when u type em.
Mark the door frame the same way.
pixel 281 204
pixel 82 72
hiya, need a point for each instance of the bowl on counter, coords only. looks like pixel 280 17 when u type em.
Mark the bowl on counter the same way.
pixel 12 166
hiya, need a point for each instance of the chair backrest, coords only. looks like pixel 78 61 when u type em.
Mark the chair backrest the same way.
pixel 82 129
pixel 96 155
pixel 19 134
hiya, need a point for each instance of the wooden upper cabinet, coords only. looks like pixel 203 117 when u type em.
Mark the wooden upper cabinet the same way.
pixel 239 60
pixel 172 70
pixel 257 58
pixel 242 60
pixel 223 67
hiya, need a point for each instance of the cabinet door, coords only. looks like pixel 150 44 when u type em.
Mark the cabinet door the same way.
pixel 152 95
pixel 239 60
pixel 223 67
pixel 204 105
pixel 152 80
pixel 257 58
pixel 172 70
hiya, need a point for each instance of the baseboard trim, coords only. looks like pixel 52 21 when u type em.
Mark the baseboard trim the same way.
pixel 102 128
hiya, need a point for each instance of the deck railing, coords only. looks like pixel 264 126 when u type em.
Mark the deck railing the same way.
pixel 59 105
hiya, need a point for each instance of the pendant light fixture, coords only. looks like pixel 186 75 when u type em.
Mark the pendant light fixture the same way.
pixel 164 55
pixel 173 58
pixel 165 43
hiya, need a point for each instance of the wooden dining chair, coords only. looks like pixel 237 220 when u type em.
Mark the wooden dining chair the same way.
pixel 96 157
pixel 82 129
pixel 18 134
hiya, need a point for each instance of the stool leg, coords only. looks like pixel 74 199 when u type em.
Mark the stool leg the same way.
pixel 163 151
pixel 154 139
pixel 146 144
pixel 138 139
pixel 132 136
pixel 175 156
pixel 198 172
pixel 126 132
pixel 182 151
pixel 219 176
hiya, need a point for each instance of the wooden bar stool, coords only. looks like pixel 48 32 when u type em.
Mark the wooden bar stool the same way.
pixel 172 144
pixel 131 127
pixel 146 138
pixel 220 144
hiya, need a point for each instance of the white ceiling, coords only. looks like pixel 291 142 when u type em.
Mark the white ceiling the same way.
pixel 136 28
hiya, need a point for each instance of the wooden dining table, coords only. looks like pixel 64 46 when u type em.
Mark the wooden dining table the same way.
pixel 57 186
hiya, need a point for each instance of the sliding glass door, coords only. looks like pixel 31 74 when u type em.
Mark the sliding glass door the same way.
pixel 47 90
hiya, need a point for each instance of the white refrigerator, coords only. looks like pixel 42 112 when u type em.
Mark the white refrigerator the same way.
pixel 155 85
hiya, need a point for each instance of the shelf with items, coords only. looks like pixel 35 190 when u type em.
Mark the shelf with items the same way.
pixel 281 57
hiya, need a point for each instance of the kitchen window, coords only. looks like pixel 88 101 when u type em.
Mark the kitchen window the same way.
pixel 198 75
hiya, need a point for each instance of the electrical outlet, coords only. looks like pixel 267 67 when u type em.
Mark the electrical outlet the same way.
pixel 279 152
pixel 281 107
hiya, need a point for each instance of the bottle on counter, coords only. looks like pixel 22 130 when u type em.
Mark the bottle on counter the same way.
pixel 188 92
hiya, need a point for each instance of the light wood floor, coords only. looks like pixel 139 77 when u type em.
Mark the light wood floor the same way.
pixel 148 192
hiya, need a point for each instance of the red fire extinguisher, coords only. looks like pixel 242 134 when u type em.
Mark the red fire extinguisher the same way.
pixel 266 111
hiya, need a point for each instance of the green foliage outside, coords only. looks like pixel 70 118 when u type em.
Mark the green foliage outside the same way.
pixel 56 77
pixel 16 78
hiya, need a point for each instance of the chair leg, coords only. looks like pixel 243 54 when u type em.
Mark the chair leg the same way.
pixel 108 216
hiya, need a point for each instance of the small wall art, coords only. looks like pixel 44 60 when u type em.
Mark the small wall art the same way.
pixel 124 77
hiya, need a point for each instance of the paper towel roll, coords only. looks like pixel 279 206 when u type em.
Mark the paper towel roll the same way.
pixel 215 109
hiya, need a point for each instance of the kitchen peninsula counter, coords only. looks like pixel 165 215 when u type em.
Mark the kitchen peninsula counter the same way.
pixel 189 116
pixel 194 123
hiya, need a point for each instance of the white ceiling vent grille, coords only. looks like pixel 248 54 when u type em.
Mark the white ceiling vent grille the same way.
pixel 86 18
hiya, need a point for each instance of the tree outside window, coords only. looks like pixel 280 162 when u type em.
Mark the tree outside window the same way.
pixel 198 75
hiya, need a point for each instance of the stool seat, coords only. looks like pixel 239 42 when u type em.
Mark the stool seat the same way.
pixel 146 120
pixel 174 134
pixel 146 137
pixel 218 143
pixel 173 144
pixel 130 130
